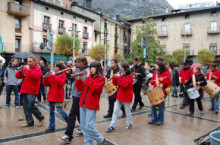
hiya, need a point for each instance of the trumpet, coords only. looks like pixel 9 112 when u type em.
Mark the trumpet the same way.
pixel 20 67
pixel 59 72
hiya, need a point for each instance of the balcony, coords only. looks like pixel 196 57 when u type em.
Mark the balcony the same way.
pixel 47 26
pixel 18 10
pixel 85 35
pixel 213 30
pixel 61 30
pixel 162 34
pixel 187 33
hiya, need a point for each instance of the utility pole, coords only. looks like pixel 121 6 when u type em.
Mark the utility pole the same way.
pixel 50 46
pixel 74 35
pixel 105 42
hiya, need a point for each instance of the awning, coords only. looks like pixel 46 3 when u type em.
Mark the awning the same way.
pixel 57 58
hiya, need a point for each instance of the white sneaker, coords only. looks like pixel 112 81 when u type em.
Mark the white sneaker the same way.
pixel 66 139
pixel 201 112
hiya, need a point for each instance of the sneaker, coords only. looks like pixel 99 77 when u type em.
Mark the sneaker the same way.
pixel 49 130
pixel 159 123
pixel 201 112
pixel 190 114
pixel 151 122
pixel 216 112
pixel 123 116
pixel 132 110
pixel 110 129
pixel 107 116
pixel 129 126
pixel 6 106
pixel 79 134
pixel 17 107
pixel 65 139
pixel 182 107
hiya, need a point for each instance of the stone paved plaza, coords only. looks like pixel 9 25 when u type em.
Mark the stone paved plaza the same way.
pixel 178 128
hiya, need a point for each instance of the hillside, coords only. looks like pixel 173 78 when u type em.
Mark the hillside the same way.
pixel 129 9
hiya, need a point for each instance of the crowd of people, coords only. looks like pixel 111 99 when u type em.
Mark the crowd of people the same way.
pixel 83 84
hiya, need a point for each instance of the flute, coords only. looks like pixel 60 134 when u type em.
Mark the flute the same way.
pixel 74 75
pixel 47 74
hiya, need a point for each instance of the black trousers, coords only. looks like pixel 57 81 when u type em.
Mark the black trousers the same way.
pixel 41 91
pixel 137 94
pixel 191 104
pixel 111 101
pixel 186 99
pixel 74 112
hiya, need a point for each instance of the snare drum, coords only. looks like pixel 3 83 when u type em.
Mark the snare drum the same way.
pixel 155 95
pixel 110 88
pixel 212 89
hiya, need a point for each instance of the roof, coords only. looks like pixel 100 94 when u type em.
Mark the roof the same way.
pixel 46 3
pixel 92 11
pixel 179 12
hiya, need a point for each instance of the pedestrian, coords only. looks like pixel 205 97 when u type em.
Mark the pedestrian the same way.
pixel 114 69
pixel 214 75
pixel 91 90
pixel 124 95
pixel 55 96
pixel 163 80
pixel 139 76
pixel 175 81
pixel 82 66
pixel 11 83
pixel 200 81
pixel 30 89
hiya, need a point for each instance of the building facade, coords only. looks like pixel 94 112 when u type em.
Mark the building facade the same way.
pixel 192 29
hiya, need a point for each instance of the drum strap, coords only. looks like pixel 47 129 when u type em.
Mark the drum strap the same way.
pixel 194 80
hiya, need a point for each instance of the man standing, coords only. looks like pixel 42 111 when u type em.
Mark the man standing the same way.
pixel 214 74
pixel 139 75
pixel 82 66
pixel 11 83
pixel 1 78
pixel 111 99
pixel 44 70
pixel 184 76
pixel 68 81
pixel 31 75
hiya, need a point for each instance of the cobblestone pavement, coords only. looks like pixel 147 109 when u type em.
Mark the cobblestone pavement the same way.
pixel 178 128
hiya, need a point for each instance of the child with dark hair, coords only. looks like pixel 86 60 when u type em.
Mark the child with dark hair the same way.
pixel 91 90
pixel 55 96
pixel 124 95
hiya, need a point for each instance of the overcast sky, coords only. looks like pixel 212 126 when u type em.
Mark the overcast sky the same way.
pixel 175 3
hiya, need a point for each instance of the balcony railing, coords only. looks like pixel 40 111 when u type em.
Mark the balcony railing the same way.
pixel 162 34
pixel 61 30
pixel 18 10
pixel 47 26
pixel 85 35
pixel 213 30
pixel 187 33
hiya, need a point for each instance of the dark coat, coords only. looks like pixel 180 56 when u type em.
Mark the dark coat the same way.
pixel 175 78
pixel 139 69
pixel 116 70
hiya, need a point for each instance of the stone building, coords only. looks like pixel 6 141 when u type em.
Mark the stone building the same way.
pixel 191 29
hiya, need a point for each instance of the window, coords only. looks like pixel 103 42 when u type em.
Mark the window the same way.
pixel 18 2
pixel 164 18
pixel 213 47
pixel 46 20
pixel 61 24
pixel 17 24
pixel 75 26
pixel 45 41
pixel 163 30
pixel 213 26
pixel 213 13
pixel 85 30
pixel 84 50
pixel 187 16
pixel 17 44
pixel 187 28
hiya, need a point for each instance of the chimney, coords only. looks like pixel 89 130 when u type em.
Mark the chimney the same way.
pixel 87 4
pixel 117 18
pixel 167 10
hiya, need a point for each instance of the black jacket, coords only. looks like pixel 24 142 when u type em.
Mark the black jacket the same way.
pixel 175 78
pixel 116 70
pixel 199 78
pixel 139 69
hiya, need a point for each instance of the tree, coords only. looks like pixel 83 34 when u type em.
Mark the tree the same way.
pixel 169 59
pixel 178 56
pixel 64 45
pixel 154 49
pixel 206 56
pixel 97 52
pixel 117 56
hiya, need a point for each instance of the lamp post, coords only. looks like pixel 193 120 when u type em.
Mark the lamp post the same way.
pixel 74 35
pixel 105 42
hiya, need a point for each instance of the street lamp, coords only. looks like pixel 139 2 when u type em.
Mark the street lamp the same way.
pixel 105 42
pixel 185 42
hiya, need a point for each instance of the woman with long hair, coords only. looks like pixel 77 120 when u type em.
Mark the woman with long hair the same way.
pixel 124 95
pixel 163 81
pixel 91 90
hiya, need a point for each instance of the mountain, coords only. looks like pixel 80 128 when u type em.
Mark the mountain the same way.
pixel 129 9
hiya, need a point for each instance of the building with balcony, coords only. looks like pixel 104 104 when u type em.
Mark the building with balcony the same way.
pixel 14 26
pixel 48 15
pixel 199 27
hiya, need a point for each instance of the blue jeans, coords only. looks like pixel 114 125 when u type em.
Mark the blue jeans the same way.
pixel 52 116
pixel 87 123
pixel 9 89
pixel 215 103
pixel 174 91
pixel 28 101
pixel 160 116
